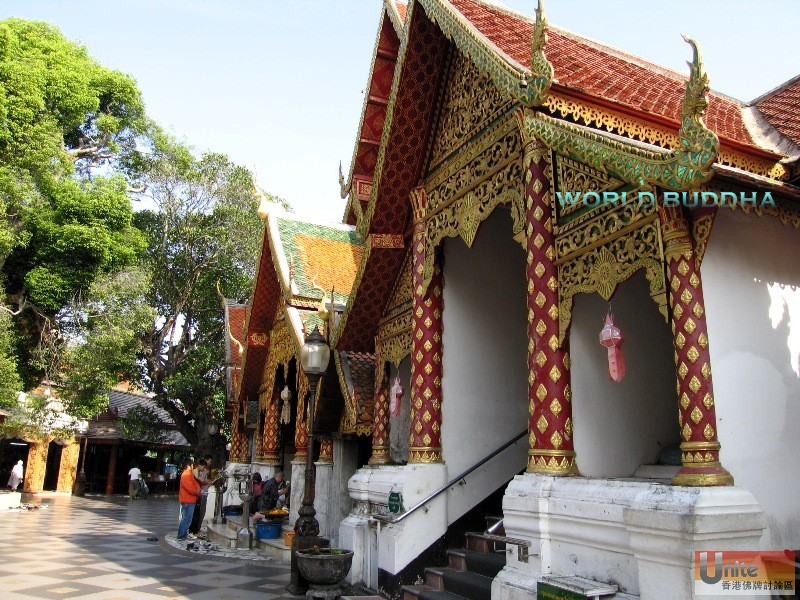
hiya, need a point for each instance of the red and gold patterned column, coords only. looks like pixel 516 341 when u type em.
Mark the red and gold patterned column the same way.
pixel 272 442
pixel 380 420
pixel 426 354
pixel 238 451
pixel 325 449
pixel 301 427
pixel 551 448
pixel 696 414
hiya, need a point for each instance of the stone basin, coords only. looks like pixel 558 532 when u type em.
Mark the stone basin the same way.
pixel 324 568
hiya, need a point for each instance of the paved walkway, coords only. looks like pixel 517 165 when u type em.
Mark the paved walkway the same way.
pixel 96 547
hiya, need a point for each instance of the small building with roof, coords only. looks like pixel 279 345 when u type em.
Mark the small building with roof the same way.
pixel 304 277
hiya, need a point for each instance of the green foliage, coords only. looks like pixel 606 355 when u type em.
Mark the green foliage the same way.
pixel 10 382
pixel 86 231
pixel 62 225
pixel 102 339
pixel 143 423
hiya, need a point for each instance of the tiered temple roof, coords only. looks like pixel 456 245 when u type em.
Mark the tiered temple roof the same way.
pixel 593 84
pixel 300 261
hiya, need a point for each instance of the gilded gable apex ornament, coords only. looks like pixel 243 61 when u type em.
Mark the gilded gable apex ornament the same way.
pixel 535 83
pixel 693 133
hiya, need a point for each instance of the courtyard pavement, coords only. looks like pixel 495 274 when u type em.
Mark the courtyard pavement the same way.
pixel 97 548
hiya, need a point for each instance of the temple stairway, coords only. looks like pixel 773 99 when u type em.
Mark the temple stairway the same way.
pixel 469 571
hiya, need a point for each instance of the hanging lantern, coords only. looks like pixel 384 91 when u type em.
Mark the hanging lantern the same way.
pixel 286 412
pixel 611 338
pixel 395 396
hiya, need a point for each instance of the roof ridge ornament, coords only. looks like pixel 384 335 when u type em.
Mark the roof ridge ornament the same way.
pixel 693 133
pixel 680 169
pixel 535 83
pixel 344 185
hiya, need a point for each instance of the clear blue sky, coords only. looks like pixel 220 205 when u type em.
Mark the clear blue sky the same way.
pixel 277 84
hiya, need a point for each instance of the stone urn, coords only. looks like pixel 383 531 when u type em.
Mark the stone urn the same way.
pixel 324 567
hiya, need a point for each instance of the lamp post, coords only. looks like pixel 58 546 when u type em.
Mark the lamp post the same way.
pixel 314 357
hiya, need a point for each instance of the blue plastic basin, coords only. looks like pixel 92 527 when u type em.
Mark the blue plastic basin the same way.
pixel 268 531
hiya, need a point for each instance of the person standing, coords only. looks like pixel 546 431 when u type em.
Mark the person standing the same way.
pixel 201 474
pixel 17 475
pixel 134 475
pixel 188 493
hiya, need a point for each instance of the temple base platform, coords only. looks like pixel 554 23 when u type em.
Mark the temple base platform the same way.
pixel 639 534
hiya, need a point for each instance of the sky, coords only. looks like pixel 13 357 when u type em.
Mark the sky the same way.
pixel 278 84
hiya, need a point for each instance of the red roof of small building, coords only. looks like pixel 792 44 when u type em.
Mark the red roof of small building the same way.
pixel 401 9
pixel 602 71
pixel 781 107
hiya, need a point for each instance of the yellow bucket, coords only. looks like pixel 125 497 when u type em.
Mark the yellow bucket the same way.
pixel 288 536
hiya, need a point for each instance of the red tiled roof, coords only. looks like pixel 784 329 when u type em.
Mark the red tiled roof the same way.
pixel 401 9
pixel 781 107
pixel 601 71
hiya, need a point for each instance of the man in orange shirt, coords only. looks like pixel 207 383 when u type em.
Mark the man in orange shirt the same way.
pixel 188 494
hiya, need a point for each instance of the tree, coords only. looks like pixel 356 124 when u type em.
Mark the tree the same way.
pixel 204 232
pixel 101 335
pixel 62 117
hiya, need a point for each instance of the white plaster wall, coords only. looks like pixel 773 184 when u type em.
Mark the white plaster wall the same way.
pixel 751 282
pixel 345 464
pixel 399 425
pixel 484 383
pixel 619 426
pixel 324 503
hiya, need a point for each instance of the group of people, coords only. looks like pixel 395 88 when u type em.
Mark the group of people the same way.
pixel 193 493
pixel 192 496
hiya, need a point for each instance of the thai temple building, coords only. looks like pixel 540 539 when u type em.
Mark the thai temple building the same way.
pixel 304 277
pixel 565 295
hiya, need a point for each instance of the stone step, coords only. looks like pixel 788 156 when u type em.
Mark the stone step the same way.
pixel 276 549
pixel 234 522
pixel 426 592
pixel 467 584
pixel 221 535
pixel 486 564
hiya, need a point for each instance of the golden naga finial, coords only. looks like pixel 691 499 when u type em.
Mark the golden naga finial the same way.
pixel 535 83
pixel 219 293
pixel 344 186
pixel 322 310
pixel 230 334
pixel 264 203
pixel 695 101
pixel 694 134
pixel 239 344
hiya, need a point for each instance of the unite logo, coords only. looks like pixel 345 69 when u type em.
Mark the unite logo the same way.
pixel 744 573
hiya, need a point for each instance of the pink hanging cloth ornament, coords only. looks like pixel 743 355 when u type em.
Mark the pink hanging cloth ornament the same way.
pixel 395 396
pixel 611 338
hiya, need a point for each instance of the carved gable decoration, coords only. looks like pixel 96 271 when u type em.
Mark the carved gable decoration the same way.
pixel 393 341
pixel 471 102
pixel 465 190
